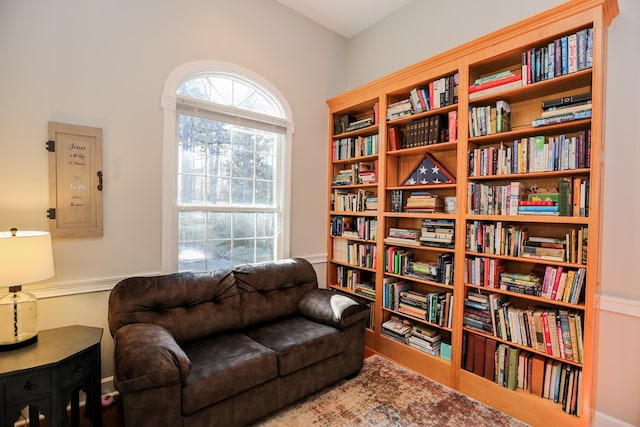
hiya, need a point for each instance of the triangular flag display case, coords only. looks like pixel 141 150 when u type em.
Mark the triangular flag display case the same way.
pixel 429 171
pixel 474 280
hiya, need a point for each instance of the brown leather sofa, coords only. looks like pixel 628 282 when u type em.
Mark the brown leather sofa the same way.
pixel 228 347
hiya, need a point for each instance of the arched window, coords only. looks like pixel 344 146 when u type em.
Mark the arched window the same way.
pixel 231 144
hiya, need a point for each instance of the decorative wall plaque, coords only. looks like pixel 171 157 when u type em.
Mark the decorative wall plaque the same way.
pixel 75 180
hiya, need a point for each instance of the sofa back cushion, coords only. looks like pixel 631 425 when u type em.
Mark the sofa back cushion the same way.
pixel 189 305
pixel 272 290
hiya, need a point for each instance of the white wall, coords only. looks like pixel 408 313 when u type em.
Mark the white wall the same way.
pixel 422 29
pixel 104 64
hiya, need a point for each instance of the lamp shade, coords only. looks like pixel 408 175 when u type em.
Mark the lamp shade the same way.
pixel 25 257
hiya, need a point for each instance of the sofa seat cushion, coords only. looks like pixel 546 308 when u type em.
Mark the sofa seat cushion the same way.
pixel 223 366
pixel 299 342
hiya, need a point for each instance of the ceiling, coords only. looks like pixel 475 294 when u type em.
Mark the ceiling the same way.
pixel 345 17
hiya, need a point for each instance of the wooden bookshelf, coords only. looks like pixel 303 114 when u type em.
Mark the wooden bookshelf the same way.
pixel 483 168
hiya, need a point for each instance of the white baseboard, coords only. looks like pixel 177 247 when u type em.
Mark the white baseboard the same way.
pixel 107 386
pixel 603 420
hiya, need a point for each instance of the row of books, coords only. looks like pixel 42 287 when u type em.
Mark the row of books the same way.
pixel 352 201
pixel 357 281
pixel 354 253
pixel 402 261
pixel 354 227
pixel 514 368
pixel 500 238
pixel 432 307
pixel 555 283
pixel 533 154
pixel 564 55
pixel 557 333
pixel 440 271
pixel 349 148
pixel 435 94
pixel 489 119
pixel 571 198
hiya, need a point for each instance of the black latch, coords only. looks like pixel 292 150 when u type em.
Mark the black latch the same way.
pixel 51 146
pixel 51 213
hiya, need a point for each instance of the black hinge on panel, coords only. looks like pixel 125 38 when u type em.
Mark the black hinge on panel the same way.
pixel 51 213
pixel 51 146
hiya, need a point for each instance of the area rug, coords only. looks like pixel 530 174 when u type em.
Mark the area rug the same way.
pixel 386 394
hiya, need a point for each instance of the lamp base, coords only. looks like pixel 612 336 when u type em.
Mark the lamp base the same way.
pixel 18 344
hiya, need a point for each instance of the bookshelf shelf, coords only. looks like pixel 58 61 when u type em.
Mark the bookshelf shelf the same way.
pixel 524 259
pixel 522 347
pixel 521 131
pixel 417 319
pixel 354 213
pixel 411 117
pixel 441 146
pixel 561 174
pixel 530 175
pixel 369 130
pixel 418 280
pixel 358 267
pixel 356 159
pixel 532 298
pixel 532 219
pixel 351 292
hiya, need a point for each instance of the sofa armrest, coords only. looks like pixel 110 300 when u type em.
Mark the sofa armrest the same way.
pixel 147 356
pixel 331 308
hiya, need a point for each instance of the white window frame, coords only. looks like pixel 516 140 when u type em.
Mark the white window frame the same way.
pixel 168 103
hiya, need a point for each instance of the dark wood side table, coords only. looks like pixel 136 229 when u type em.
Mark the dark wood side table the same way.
pixel 49 374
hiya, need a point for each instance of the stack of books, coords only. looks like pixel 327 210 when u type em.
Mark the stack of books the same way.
pixel 495 83
pixel 359 124
pixel 477 312
pixel 529 284
pixel 425 339
pixel 399 109
pixel 564 109
pixel 403 236
pixel 397 329
pixel 343 177
pixel 423 201
pixel 438 233
pixel 538 207
pixel 365 289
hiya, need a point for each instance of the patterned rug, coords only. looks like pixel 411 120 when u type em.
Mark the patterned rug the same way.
pixel 386 394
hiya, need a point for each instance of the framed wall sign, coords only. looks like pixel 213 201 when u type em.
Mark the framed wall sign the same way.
pixel 75 180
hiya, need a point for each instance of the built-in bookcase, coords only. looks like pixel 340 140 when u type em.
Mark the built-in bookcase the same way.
pixel 472 224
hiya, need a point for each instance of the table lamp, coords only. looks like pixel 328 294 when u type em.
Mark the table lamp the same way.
pixel 25 257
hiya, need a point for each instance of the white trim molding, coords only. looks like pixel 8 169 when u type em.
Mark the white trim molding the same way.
pixel 624 306
pixel 59 289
